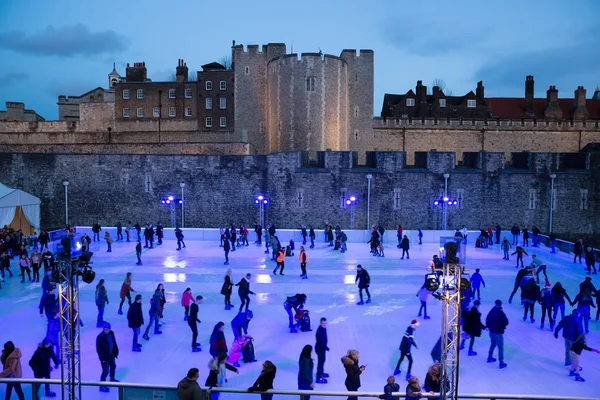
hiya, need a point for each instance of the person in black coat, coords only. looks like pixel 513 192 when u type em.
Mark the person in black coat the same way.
pixel 108 351
pixel 321 348
pixel 405 245
pixel 40 364
pixel 265 380
pixel 226 249
pixel 244 291
pixel 135 320
pixel 472 326
pixel 406 344
pixel 49 302
pixel 353 372
pixel 226 290
pixel 295 303
pixel 192 320
pixel 364 281
pixel 496 323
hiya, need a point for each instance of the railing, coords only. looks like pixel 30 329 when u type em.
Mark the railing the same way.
pixel 169 392
pixel 563 246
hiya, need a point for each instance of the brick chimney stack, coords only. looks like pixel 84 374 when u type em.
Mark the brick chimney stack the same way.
pixel 529 95
pixel 581 111
pixel 479 92
pixel 181 74
pixel 137 73
pixel 421 99
pixel 552 110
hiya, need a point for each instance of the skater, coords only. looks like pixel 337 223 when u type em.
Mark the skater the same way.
pixel 25 264
pixel 135 320
pixel 188 388
pixel 515 232
pixel 531 295
pixel 476 282
pixel 233 237
pixel 186 298
pixel 258 231
pixel 423 294
pixel 399 235
pixel 389 388
pixel 312 236
pixel 227 288
pixel 226 249
pixel 265 380
pixel 420 235
pixel 538 266
pixel 217 375
pixel 138 229
pixel 125 292
pixel 244 291
pixel 321 348
pixel 154 314
pixel 108 351
pixel 364 281
pixel 295 303
pixel 11 368
pixel 577 250
pixel 36 263
pixel 303 258
pixel 498 233
pixel 304 233
pixel 405 245
pixel 576 348
pixel 138 252
pixel 128 231
pixel 160 289
pixel 559 294
pixel 525 237
pixel 119 231
pixel 519 252
pixel 522 273
pixel 192 321
pixel 218 343
pixel 381 253
pixel 584 301
pixel 572 328
pixel 590 262
pixel 547 302
pixel 353 371
pixel 40 365
pixel 109 241
pixel 472 326
pixel 436 351
pixel 496 323
pixel 101 302
pixel 53 332
pixel 280 262
pixel 159 233
pixel 305 370
pixel 408 341
pixel 96 229
pixel 241 322
pixel 505 246
pixel 552 238
pixel 179 236
pixel 235 353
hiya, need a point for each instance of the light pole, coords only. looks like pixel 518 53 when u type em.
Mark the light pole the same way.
pixel 351 201
pixel 182 185
pixel 262 201
pixel 171 202
pixel 444 205
pixel 369 177
pixel 66 184
pixel 552 178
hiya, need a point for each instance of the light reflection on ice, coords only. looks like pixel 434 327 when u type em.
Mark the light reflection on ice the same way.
pixel 263 278
pixel 262 298
pixel 174 278
pixel 349 279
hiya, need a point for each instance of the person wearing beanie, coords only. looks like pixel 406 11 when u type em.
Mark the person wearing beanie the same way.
pixel 108 351
pixel 135 320
pixel 547 302
pixel 40 364
pixel 472 326
pixel 408 341
pixel 496 322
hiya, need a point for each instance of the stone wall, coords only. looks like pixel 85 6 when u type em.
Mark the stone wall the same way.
pixel 221 189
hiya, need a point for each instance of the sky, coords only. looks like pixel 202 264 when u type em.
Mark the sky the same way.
pixel 67 47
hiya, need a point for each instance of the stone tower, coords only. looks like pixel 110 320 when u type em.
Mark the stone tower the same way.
pixel 113 77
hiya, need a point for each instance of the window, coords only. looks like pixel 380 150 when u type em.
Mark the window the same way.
pixel 126 112
pixel 261 128
pixel 532 199
pixel 442 102
pixel 410 102
pixel 140 93
pixel 583 199
pixel 222 103
pixel 140 112
pixel 343 193
pixel 300 198
pixel 310 83
pixel 471 103
pixel 126 94
pixel 460 194
pixel 188 93
pixel 247 70
pixel 171 93
pixel 223 85
pixel 156 112
pixel 172 112
pixel 356 111
pixel 396 199
pixel 148 182
pixel 208 103
pixel 208 122
pixel 208 85
pixel 356 134
pixel 223 122
pixel 188 111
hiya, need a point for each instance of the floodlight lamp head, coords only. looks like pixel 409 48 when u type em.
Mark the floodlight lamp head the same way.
pixel 436 203
pixel 348 202
pixel 168 202
pixel 170 198
pixel 256 201
pixel 180 201
pixel 265 201
pixel 446 198
pixel 260 197
pixel 352 198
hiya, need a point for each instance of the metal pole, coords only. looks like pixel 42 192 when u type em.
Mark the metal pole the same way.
pixel 369 177
pixel 552 177
pixel 445 204
pixel 182 185
pixel 66 183
pixel 173 214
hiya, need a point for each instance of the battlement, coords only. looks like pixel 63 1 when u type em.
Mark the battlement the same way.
pixel 347 53
pixel 305 57
pixel 254 48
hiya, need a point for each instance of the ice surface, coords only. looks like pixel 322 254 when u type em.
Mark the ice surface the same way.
pixel 535 358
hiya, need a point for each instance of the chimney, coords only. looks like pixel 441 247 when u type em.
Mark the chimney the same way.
pixel 581 111
pixel 529 95
pixel 480 92
pixel 181 74
pixel 552 110
pixel 137 73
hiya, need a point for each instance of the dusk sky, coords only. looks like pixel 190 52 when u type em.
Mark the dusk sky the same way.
pixel 68 47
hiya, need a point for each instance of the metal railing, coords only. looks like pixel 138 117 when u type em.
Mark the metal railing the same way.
pixel 123 387
pixel 563 246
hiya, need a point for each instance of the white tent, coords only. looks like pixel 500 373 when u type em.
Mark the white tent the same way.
pixel 11 198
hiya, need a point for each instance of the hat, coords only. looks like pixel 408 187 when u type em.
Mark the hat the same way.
pixel 547 284
pixel 477 302
pixel 137 297
pixel 106 325
pixel 249 314
pixel 414 323
pixel 498 303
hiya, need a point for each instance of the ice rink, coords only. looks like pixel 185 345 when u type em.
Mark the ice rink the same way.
pixel 535 358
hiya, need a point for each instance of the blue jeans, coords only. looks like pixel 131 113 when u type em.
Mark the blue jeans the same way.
pixel 497 339
pixel 476 290
pixel 423 308
pixel 558 306
pixel 585 315
pixel 153 318
pixel 101 313
pixel 290 316
pixel 506 256
pixel 136 334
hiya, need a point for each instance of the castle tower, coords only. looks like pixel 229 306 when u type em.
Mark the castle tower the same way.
pixel 113 77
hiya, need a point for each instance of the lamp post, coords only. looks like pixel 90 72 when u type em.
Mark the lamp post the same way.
pixel 182 185
pixel 351 201
pixel 444 205
pixel 552 178
pixel 369 177
pixel 66 184
pixel 262 201
pixel 171 201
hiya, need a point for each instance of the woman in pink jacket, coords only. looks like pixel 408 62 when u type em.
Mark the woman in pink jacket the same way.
pixel 186 298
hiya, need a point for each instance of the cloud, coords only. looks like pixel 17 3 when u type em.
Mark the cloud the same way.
pixel 12 78
pixel 64 41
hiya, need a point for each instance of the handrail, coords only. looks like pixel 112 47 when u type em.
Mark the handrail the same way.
pixel 483 396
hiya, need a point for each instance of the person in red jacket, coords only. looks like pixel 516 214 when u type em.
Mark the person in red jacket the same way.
pixel 186 298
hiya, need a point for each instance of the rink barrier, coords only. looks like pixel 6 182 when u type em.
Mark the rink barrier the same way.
pixel 169 392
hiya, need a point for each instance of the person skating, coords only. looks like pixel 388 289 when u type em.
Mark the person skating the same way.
pixel 218 343
pixel 258 230
pixel 496 323
pixel 584 301
pixel 138 229
pixel 217 375
pixel 193 322
pixel 101 302
pixel 128 231
pixel 160 288
pixel 522 273
pixel 241 322
pixel 390 387
pixel 96 230
pixel 472 326
pixel 11 368
pixel 135 320
pixel 312 235
pixel 538 266
pixel 186 299
pixel 109 241
pixel 408 341
pixel 576 348
pixel 36 263
pixel 305 370
pixel 108 351
pixel 188 388
pixel 160 234
pixel 235 352
pixel 364 281
pixel 590 261
pixel 321 349
pixel 578 250
pixel 227 288
pixel 531 295
pixel 420 236
pixel 304 234
pixel 154 314
pixel 48 302
pixel 179 236
pixel 353 372
pixel 125 292
pixel 138 252
pixel 40 365
pixel 53 332
pixel 294 303
pixel 572 327
pixel 559 294
pixel 405 246
pixel 547 302
pixel 436 350
pixel 119 231
pixel 303 258
pixel 519 251
pixel 25 266
pixel 525 237
pixel 226 249
pixel 423 294
pixel 244 291
pixel 280 261
pixel 476 282
pixel 264 382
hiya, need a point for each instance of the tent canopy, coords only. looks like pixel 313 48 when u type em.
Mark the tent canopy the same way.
pixel 11 198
